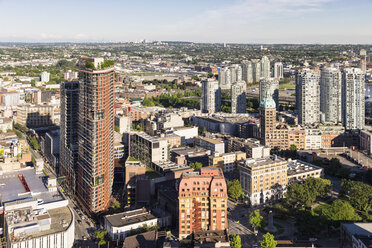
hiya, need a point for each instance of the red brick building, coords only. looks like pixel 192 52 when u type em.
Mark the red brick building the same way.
pixel 202 199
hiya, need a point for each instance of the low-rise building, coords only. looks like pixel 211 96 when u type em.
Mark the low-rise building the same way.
pixel 187 134
pixel 120 225
pixel 36 115
pixel 214 145
pixel 36 214
pixel 356 235
pixel 148 149
pixel 299 171
pixel 227 161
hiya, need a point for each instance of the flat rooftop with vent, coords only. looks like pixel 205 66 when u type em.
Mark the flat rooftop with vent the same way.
pixel 34 209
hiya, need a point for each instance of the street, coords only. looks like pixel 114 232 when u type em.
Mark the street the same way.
pixel 238 221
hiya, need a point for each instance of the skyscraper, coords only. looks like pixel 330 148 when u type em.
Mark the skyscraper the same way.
pixel 363 60
pixel 224 78
pixel 270 85
pixel 247 71
pixel 236 73
pixel 256 70
pixel 69 133
pixel 307 96
pixel 238 97
pixel 265 67
pixel 330 95
pixel 278 70
pixel 202 198
pixel 95 168
pixel 353 97
pixel 210 97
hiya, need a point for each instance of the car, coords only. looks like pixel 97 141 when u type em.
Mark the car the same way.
pixel 79 221
pixel 85 238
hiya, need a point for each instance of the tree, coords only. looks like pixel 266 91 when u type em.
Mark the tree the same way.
pixel 117 129
pixel 255 219
pixel 196 165
pixel 339 210
pixel 235 241
pixel 268 241
pixel 293 148
pixel 101 236
pixel 358 194
pixel 304 195
pixel 234 189
pixel 33 142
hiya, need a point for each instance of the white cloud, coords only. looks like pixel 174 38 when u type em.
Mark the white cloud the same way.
pixel 49 36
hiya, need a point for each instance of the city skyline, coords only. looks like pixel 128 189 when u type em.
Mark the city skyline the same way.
pixel 239 21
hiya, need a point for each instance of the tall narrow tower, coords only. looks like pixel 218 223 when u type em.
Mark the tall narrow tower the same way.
pixel 69 133
pixel 353 101
pixel 95 168
pixel 238 97
pixel 268 119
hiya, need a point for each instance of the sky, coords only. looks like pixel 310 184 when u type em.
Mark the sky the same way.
pixel 214 21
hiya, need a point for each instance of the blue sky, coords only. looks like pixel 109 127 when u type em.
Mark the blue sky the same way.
pixel 238 21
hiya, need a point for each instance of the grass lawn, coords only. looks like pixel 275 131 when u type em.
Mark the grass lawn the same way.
pixel 287 86
pixel 151 174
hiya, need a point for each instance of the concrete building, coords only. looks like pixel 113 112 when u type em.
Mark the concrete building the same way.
pixel 34 116
pixel 270 85
pixel 123 122
pixel 353 98
pixel 95 167
pixel 227 161
pixel 251 147
pixel 214 145
pixel 11 99
pixel 210 97
pixel 202 197
pixel 265 67
pixel 134 171
pixel 52 148
pixel 256 70
pixel 224 78
pixel 36 214
pixel 70 75
pixel 44 77
pixel 299 171
pixel 236 73
pixel 120 225
pixel 166 121
pixel 278 70
pixel 263 180
pixel 308 96
pixel 366 139
pixel 69 133
pixel 330 95
pixel 187 134
pixel 238 97
pixel 247 71
pixel 356 235
pixel 148 149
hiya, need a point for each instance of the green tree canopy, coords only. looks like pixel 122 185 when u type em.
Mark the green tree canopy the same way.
pixel 339 210
pixel 358 194
pixel 268 241
pixel 196 165
pixel 235 241
pixel 304 195
pixel 234 189
pixel 255 219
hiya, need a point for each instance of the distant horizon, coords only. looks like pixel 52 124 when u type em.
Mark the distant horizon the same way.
pixel 177 41
pixel 198 21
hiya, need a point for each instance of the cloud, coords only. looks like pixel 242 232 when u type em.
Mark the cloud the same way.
pixel 243 19
pixel 49 36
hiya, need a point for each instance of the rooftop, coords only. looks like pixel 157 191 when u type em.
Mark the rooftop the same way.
pixel 298 167
pixel 129 217
pixel 171 166
pixel 143 240
pixel 358 228
pixel 212 141
pixel 253 163
pixel 210 236
pixel 12 189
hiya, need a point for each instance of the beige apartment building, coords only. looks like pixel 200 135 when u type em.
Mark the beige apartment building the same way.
pixel 264 179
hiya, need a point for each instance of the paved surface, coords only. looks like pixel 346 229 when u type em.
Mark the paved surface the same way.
pixel 238 221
